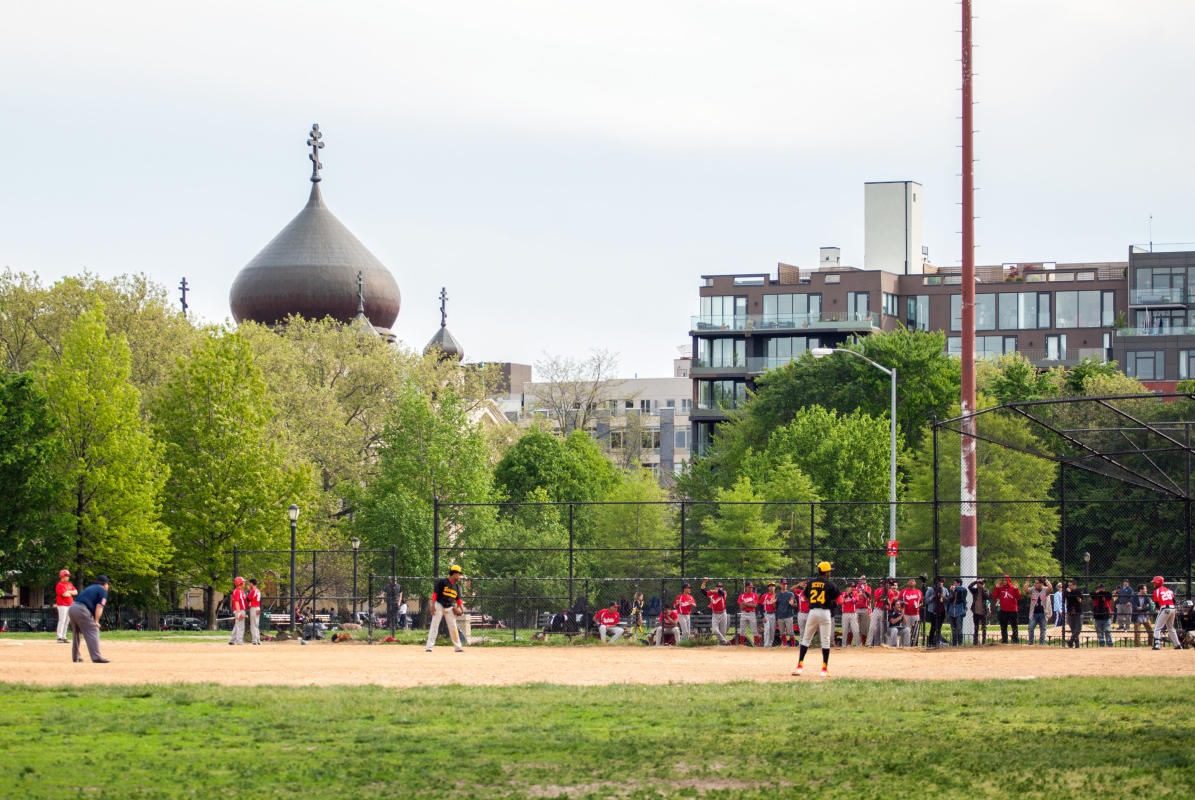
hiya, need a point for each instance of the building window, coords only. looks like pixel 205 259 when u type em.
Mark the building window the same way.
pixel 670 403
pixel 918 312
pixel 790 310
pixel 722 352
pixel 985 346
pixel 686 404
pixel 616 440
pixel 682 438
pixel 1092 309
pixel 645 406
pixel 956 312
pixel 833 278
pixel 1056 347
pixel 721 394
pixel 650 440
pixel 780 350
pixel 1146 365
pixel 985 312
pixel 724 311
pixel 1160 320
pixel 891 305
pixel 858 305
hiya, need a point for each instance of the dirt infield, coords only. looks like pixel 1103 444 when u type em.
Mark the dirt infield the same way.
pixel 323 663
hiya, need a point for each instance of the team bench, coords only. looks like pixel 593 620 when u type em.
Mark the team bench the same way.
pixel 283 620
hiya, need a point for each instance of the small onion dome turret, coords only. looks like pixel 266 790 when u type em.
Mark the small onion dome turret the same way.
pixel 444 342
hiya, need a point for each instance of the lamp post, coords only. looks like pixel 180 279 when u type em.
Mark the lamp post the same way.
pixel 821 352
pixel 356 546
pixel 292 513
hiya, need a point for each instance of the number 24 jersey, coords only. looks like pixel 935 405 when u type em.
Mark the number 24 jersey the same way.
pixel 821 593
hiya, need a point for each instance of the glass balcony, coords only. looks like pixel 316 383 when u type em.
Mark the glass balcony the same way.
pixel 774 323
pixel 1163 330
pixel 1158 297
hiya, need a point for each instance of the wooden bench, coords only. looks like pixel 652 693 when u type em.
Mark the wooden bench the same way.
pixel 479 620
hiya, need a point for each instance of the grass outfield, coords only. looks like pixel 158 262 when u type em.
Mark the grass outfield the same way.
pixel 1059 738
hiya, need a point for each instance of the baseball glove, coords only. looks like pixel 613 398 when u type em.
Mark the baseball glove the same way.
pixel 457 611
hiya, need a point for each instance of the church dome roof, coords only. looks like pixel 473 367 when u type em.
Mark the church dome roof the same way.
pixel 310 269
pixel 443 341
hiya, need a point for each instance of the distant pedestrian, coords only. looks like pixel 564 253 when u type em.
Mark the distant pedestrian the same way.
pixel 981 599
pixel 85 615
pixel 1101 615
pixel 956 611
pixel 1073 599
pixel 1059 609
pixel 786 611
pixel 1038 593
pixel 254 611
pixel 935 611
pixel 64 597
pixel 1141 609
pixel 719 622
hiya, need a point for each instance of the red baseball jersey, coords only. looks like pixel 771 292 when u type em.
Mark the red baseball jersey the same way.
pixel 717 599
pixel 912 600
pixel 802 602
pixel 607 616
pixel 254 597
pixel 238 600
pixel 61 598
pixel 847 601
pixel 669 618
pixel 748 601
pixel 768 601
pixel 863 597
pixel 685 603
pixel 1163 596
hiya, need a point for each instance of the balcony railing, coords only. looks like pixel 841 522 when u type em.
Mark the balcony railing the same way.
pixel 1168 330
pixel 1065 358
pixel 1157 297
pixel 826 320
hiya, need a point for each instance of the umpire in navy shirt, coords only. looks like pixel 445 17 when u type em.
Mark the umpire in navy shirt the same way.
pixel 84 615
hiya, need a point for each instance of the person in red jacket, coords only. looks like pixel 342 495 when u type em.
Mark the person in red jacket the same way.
pixel 669 626
pixel 64 598
pixel 719 624
pixel 748 602
pixel 254 611
pixel 1007 597
pixel 608 623
pixel 911 599
pixel 239 605
pixel 685 603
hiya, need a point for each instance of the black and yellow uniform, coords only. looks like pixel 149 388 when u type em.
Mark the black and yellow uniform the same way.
pixel 821 593
pixel 446 593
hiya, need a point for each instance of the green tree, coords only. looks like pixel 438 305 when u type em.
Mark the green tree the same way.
pixel 1012 378
pixel 110 466
pixel 428 450
pixel 30 535
pixel 638 516
pixel 570 470
pixel 229 482
pixel 737 540
pixel 792 504
pixel 1016 529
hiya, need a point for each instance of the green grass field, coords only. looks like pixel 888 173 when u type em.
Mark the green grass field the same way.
pixel 1060 738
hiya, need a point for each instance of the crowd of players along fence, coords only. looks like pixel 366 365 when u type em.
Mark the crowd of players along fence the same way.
pixel 579 557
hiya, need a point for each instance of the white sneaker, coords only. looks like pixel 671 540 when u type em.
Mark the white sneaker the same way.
pixel 428 650
pixel 800 669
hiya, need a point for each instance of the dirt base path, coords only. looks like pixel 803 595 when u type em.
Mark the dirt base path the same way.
pixel 323 663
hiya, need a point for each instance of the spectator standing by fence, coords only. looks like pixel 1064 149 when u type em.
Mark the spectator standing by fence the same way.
pixel 1101 615
pixel 1124 605
pixel 911 599
pixel 748 602
pixel 1008 598
pixel 1073 598
pixel 1059 609
pixel 956 610
pixel 64 598
pixel 1038 593
pixel 1164 623
pixel 935 611
pixel 719 622
pixel 786 609
pixel 685 603
pixel 1141 608
pixel 981 599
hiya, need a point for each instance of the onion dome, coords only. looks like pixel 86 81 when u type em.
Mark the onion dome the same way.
pixel 444 342
pixel 310 268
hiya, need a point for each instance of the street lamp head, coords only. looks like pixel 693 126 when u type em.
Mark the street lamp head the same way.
pixel 1087 557
pixel 293 513
pixel 820 352
pixel 356 543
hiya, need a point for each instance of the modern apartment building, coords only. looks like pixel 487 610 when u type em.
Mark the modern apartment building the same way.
pixel 1139 312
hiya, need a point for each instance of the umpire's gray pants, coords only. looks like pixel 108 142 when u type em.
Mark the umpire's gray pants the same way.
pixel 719 625
pixel 877 627
pixel 747 622
pixel 238 629
pixel 85 627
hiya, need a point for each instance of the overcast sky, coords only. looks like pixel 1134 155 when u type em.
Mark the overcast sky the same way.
pixel 569 170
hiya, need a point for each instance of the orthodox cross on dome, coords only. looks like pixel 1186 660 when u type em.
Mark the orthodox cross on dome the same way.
pixel 182 286
pixel 316 142
pixel 360 292
pixel 443 307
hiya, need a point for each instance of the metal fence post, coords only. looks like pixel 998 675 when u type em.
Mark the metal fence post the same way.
pixel 1062 532
pixel 236 564
pixel 394 578
pixel 570 555
pixel 682 540
pixel 1187 427
pixel 435 536
pixel 514 617
pixel 812 530
pixel 937 543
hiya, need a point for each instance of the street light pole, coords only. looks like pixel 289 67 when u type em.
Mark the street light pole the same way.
pixel 821 352
pixel 293 514
pixel 356 547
